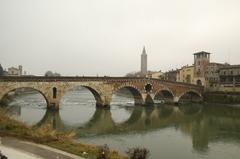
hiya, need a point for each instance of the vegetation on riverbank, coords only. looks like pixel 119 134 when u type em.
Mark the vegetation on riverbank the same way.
pixel 44 135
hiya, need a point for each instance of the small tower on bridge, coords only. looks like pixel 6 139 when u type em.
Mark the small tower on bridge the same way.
pixel 144 62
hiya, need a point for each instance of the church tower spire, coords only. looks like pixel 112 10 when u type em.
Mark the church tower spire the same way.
pixel 144 62
pixel 144 50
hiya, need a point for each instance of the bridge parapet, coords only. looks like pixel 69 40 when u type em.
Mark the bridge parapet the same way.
pixel 87 78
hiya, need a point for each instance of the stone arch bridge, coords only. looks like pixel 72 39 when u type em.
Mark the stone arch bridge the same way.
pixel 144 90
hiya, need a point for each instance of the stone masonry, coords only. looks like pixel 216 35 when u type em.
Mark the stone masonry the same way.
pixel 103 88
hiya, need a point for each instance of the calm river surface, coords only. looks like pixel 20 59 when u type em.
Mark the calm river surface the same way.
pixel 182 132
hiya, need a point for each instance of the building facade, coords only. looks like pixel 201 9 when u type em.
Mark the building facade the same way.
pixel 155 75
pixel 186 75
pixel 223 78
pixel 230 76
pixel 171 75
pixel 12 71
pixel 144 62
pixel 212 74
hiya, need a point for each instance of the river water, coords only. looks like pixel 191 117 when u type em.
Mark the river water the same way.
pixel 190 131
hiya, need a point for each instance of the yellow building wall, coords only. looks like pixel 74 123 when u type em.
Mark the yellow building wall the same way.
pixel 186 75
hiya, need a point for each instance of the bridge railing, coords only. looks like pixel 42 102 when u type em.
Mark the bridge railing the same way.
pixel 85 78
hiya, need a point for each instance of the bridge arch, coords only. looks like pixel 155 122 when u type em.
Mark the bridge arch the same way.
pixel 136 93
pixel 6 92
pixel 190 96
pixel 164 94
pixel 95 92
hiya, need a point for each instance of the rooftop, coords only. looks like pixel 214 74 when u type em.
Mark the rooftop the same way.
pixel 13 68
pixel 230 66
pixel 188 66
pixel 215 63
pixel 202 52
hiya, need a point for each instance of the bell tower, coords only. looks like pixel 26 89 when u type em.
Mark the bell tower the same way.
pixel 144 62
pixel 201 60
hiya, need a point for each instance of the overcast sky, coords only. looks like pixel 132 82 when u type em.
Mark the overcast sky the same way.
pixel 105 37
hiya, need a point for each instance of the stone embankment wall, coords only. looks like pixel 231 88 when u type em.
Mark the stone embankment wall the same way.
pixel 222 97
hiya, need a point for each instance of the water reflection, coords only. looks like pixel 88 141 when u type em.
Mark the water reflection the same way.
pixel 52 119
pixel 191 131
pixel 203 124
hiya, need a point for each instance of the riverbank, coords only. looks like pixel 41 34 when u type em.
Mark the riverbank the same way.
pixel 9 127
pixel 232 98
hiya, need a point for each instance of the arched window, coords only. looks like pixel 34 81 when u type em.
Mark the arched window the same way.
pixel 54 92
pixel 199 82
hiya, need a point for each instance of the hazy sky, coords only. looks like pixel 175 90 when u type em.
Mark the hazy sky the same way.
pixel 105 37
